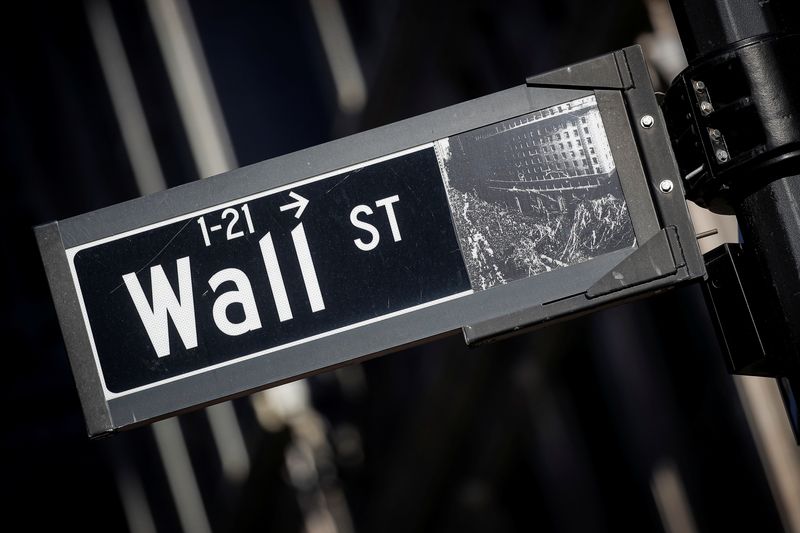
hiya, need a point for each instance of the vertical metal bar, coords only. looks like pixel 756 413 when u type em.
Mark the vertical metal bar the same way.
pixel 775 443
pixel 351 89
pixel 125 98
pixel 194 89
pixel 134 500
pixel 229 441
pixel 671 500
pixel 180 476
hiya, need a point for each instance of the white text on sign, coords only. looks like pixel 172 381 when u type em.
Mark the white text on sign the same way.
pixel 375 236
pixel 179 306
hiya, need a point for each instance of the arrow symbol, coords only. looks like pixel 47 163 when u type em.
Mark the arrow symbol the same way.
pixel 301 204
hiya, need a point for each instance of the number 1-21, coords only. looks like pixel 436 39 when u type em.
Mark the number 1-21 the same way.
pixel 230 233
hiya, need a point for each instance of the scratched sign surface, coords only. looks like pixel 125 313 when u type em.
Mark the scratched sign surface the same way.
pixel 337 251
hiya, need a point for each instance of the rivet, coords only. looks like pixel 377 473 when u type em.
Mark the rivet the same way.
pixel 722 156
pixel 666 186
pixel 647 121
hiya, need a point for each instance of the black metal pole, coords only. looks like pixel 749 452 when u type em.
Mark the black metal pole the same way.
pixel 708 26
pixel 751 51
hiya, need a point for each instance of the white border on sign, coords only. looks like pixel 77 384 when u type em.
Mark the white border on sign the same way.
pixel 71 252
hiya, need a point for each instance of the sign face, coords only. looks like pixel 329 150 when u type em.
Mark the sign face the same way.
pixel 241 279
pixel 333 252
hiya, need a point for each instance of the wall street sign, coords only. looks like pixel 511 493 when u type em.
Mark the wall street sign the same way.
pixel 244 279
pixel 490 216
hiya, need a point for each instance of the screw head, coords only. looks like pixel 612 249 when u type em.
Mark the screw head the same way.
pixel 706 108
pixel 715 134
pixel 699 86
pixel 647 121
pixel 666 186
pixel 722 156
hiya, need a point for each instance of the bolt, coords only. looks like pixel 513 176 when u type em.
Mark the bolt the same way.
pixel 666 186
pixel 706 108
pixel 722 156
pixel 647 121
pixel 715 134
pixel 699 86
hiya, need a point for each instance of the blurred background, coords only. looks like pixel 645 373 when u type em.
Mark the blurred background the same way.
pixel 625 419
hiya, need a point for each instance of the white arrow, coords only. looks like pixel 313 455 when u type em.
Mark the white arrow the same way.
pixel 301 203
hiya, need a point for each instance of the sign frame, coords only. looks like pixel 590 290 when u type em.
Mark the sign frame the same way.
pixel 666 254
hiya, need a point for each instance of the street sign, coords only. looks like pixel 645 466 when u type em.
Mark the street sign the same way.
pixel 244 279
pixel 489 217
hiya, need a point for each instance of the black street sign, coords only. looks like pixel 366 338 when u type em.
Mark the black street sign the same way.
pixel 243 279
pixel 491 216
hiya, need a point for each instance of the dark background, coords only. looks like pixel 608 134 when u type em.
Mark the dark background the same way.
pixel 570 428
